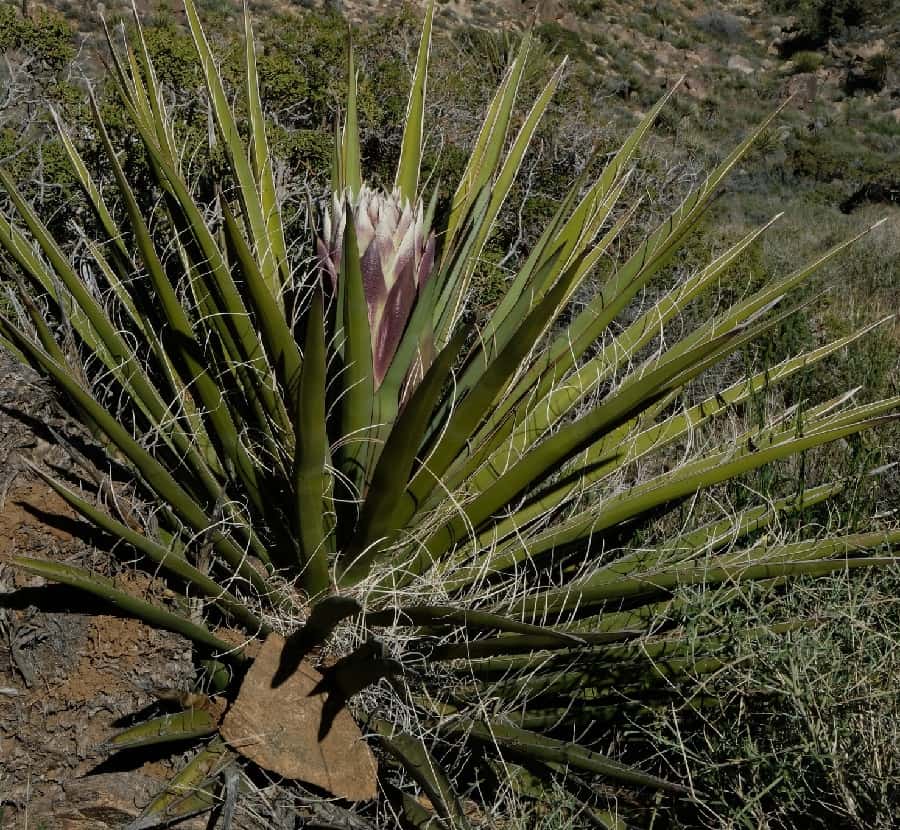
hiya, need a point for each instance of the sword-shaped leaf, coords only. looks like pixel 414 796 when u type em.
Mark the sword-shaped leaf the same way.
pixel 101 587
pixel 500 187
pixel 600 588
pixel 407 179
pixel 479 170
pixel 652 254
pixel 424 769
pixel 356 376
pixel 350 149
pixel 310 476
pixel 157 477
pixel 279 341
pixel 164 557
pixel 528 744
pixel 392 472
pixel 262 160
pixel 183 726
pixel 438 616
pixel 256 216
pixel 193 790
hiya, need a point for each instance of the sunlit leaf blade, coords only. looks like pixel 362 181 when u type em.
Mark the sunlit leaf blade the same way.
pixel 350 149
pixel 281 347
pixel 91 190
pixel 262 160
pixel 407 180
pixel 257 217
pixel 501 182
pixel 500 432
pixel 310 478
pixel 424 770
pixel 630 443
pixel 676 484
pixel 575 241
pixel 487 150
pixel 224 310
pixel 183 726
pixel 181 337
pixel 97 331
pixel 147 98
pixel 471 410
pixel 338 177
pixel 599 591
pixel 622 349
pixel 101 336
pixel 547 455
pixel 152 614
pixel 623 284
pixel 193 790
pixel 357 377
pixel 724 532
pixel 39 324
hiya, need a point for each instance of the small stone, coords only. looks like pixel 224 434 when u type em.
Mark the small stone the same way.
pixel 737 63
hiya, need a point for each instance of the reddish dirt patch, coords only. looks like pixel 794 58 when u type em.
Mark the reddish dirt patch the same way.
pixel 66 677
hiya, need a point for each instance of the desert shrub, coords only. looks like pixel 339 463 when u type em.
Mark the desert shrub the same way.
pixel 47 37
pixel 587 8
pixel 806 61
pixel 720 24
pixel 868 76
pixel 824 19
pixel 564 41
pixel 12 27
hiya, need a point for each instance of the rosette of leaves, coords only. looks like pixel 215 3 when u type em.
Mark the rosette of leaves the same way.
pixel 330 450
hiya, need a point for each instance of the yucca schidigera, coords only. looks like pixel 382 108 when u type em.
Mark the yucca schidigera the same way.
pixel 350 456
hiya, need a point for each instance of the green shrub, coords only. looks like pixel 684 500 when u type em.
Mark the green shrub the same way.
pixel 720 24
pixel 47 36
pixel 824 19
pixel 805 61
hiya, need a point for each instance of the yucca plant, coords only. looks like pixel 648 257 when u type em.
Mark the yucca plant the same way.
pixel 440 519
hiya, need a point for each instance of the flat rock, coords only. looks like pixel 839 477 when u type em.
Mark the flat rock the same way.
pixel 278 730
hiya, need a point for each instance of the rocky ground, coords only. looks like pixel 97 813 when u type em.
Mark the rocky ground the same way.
pixel 68 677
pixel 730 52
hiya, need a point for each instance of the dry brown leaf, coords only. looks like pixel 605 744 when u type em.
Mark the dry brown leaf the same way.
pixel 278 729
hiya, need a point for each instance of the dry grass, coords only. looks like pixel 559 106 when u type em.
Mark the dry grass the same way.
pixel 802 729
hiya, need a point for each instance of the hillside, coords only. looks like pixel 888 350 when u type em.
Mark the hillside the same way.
pixel 837 58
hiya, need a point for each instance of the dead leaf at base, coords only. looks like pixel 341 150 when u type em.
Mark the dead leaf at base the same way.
pixel 278 730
